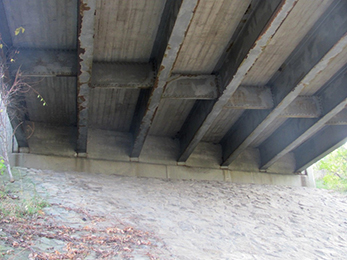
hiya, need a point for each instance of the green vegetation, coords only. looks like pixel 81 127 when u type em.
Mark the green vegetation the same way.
pixel 12 206
pixel 335 166
pixel 2 166
pixel 19 199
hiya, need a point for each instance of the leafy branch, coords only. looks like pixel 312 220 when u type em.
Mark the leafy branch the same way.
pixel 335 165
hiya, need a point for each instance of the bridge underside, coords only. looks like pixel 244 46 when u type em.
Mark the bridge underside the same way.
pixel 196 85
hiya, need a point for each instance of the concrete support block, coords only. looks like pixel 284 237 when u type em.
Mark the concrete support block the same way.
pixel 23 150
pixel 206 155
pixel 248 160
pixel 50 140
pixel 310 179
pixel 227 175
pixel 81 155
pixel 108 145
pixel 160 150
pixel 283 165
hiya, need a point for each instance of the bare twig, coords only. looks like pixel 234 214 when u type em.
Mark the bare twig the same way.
pixel 11 97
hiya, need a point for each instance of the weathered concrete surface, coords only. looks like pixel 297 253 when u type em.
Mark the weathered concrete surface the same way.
pixel 44 63
pixel 177 74
pixel 52 148
pixel 209 220
pixel 177 35
pixel 191 87
pixel 122 75
pixel 143 169
pixel 85 57
pixel 243 54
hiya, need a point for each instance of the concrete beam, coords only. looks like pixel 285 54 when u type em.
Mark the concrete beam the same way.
pixel 122 75
pixel 191 87
pixel 177 25
pixel 319 145
pixel 167 22
pixel 48 63
pixel 252 40
pixel 303 107
pixel 44 63
pixel 51 63
pixel 295 131
pixel 248 97
pixel 85 61
pixel 339 119
pixel 310 59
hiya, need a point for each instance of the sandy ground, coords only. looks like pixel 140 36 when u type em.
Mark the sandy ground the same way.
pixel 205 219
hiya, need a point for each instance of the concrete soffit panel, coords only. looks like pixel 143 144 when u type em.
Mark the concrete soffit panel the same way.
pixel 302 66
pixel 319 145
pixel 261 26
pixel 333 98
pixel 215 87
pixel 176 35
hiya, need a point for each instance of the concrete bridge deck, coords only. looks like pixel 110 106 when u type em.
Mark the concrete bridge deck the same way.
pixel 239 86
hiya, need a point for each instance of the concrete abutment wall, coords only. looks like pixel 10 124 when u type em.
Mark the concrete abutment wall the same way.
pixel 51 148
pixel 138 169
